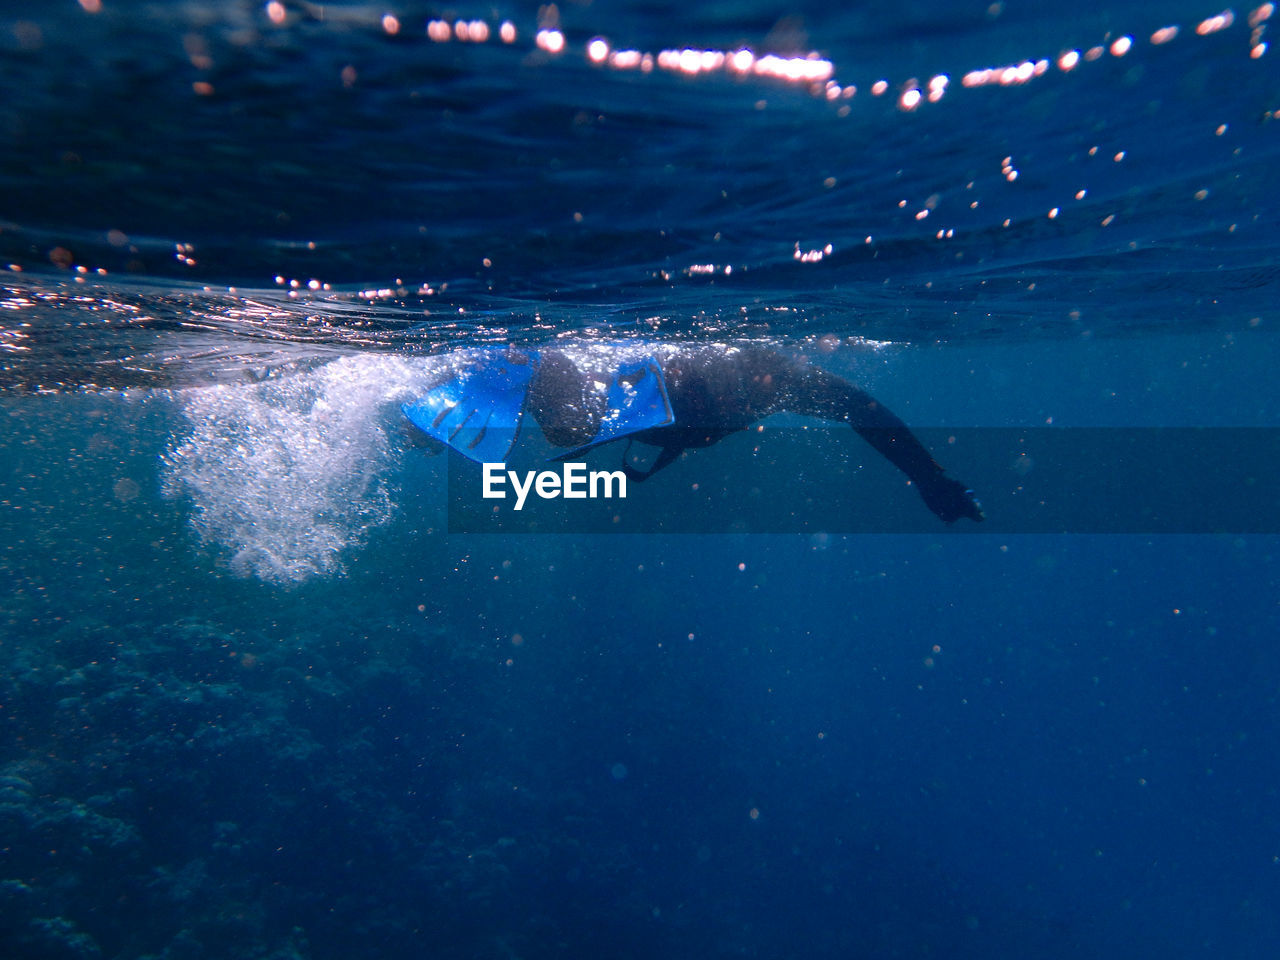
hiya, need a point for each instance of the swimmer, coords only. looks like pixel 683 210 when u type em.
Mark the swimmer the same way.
pixel 671 397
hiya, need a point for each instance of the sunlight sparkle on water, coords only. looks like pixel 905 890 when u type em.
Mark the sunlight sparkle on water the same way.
pixel 1216 23
pixel 811 70
pixel 551 41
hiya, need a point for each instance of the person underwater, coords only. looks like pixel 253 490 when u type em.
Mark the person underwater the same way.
pixel 671 397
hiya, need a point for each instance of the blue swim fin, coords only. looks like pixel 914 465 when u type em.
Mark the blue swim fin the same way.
pixel 637 400
pixel 478 412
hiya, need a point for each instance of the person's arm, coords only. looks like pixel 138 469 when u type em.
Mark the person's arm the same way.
pixel 815 392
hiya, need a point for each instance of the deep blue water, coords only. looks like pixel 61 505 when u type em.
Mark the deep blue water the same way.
pixel 257 702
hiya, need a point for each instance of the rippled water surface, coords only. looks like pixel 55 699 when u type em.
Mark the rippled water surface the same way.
pixel 215 177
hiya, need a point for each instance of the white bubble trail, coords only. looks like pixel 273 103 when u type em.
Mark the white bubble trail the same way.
pixel 288 474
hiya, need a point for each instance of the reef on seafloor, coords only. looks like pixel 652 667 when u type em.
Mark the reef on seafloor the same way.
pixel 187 793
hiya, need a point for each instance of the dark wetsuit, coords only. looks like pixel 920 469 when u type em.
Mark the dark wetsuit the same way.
pixel 715 391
